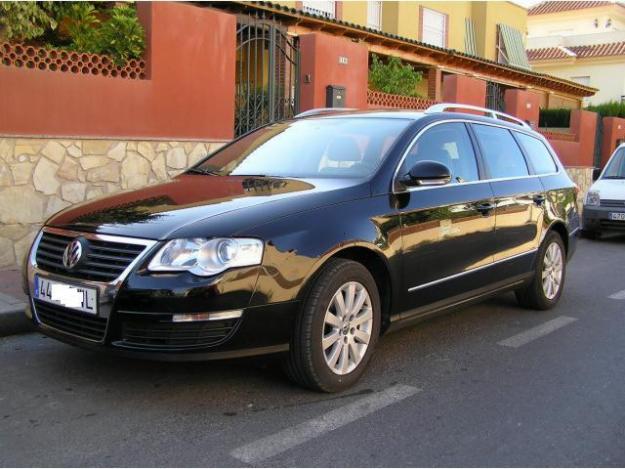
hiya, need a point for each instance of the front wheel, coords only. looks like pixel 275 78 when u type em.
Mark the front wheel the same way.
pixel 337 328
pixel 546 287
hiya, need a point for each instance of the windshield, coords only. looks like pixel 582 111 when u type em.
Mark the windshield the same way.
pixel 616 167
pixel 308 148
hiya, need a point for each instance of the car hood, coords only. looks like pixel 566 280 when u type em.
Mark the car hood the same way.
pixel 612 189
pixel 200 205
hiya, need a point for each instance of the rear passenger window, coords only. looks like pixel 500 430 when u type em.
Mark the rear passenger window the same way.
pixel 501 153
pixel 538 154
pixel 448 144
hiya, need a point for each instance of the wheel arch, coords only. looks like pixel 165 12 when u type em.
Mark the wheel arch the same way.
pixel 374 261
pixel 559 227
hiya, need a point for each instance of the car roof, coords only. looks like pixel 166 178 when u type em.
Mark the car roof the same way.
pixel 413 115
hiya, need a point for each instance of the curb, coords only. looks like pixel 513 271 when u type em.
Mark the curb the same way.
pixel 14 321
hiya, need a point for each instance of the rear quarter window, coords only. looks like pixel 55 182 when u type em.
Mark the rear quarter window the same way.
pixel 502 155
pixel 538 154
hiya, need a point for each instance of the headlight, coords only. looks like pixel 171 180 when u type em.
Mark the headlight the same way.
pixel 592 198
pixel 207 256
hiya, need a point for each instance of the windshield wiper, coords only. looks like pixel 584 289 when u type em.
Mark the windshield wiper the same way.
pixel 206 172
pixel 613 177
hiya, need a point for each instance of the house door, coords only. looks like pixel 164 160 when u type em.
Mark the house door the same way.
pixel 267 69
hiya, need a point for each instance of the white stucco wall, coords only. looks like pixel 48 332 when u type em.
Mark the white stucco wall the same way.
pixel 608 77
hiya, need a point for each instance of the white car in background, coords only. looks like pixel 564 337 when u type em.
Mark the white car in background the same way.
pixel 604 207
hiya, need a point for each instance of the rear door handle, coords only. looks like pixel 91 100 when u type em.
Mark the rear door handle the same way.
pixel 539 199
pixel 485 208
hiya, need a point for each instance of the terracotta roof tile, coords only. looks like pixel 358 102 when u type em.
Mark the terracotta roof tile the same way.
pixel 547 7
pixel 582 52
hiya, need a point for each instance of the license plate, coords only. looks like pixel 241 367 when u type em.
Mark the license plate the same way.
pixel 617 216
pixel 71 296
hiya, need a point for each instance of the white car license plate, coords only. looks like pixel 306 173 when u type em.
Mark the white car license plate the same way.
pixel 71 296
pixel 617 216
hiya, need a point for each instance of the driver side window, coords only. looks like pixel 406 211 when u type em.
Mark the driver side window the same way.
pixel 448 144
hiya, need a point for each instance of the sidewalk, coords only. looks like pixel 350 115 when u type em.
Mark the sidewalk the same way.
pixel 12 303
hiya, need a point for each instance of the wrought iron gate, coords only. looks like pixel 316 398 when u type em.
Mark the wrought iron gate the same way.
pixel 495 96
pixel 267 68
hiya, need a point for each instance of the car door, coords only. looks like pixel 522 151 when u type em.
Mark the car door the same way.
pixel 519 198
pixel 446 231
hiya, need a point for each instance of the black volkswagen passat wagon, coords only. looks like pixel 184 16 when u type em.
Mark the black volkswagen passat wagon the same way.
pixel 311 237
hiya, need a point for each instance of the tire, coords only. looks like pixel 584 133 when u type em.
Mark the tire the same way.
pixel 537 295
pixel 308 363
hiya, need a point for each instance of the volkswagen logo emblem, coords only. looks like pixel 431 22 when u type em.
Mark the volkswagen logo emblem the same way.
pixel 72 254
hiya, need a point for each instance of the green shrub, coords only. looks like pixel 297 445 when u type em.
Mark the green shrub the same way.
pixel 393 76
pixel 609 109
pixel 82 26
pixel 23 21
pixel 554 118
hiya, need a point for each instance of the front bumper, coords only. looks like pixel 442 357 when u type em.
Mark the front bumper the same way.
pixel 135 313
pixel 597 218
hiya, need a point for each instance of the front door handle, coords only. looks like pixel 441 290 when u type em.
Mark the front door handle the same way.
pixel 539 199
pixel 485 208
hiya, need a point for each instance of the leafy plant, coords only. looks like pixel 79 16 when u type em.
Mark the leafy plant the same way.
pixel 609 109
pixel 91 27
pixel 23 21
pixel 554 118
pixel 393 76
pixel 122 35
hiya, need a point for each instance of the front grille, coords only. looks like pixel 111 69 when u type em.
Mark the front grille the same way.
pixel 105 260
pixel 613 203
pixel 152 334
pixel 71 321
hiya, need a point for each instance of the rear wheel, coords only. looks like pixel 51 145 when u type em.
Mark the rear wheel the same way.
pixel 337 328
pixel 546 287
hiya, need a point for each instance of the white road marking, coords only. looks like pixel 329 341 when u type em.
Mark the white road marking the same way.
pixel 288 438
pixel 619 295
pixel 537 332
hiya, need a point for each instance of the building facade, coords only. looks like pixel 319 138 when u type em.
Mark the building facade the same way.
pixel 582 41
pixel 74 127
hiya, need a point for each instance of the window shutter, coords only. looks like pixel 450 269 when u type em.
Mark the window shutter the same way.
pixel 511 47
pixel 470 46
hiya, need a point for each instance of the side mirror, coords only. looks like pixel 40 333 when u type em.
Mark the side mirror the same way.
pixel 427 173
pixel 596 172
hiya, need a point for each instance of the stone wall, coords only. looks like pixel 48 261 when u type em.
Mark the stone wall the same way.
pixel 582 176
pixel 40 176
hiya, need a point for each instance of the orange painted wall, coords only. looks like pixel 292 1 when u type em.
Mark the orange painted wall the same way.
pixel 580 151
pixel 188 94
pixel 320 54
pixel 464 90
pixel 613 131
pixel 523 104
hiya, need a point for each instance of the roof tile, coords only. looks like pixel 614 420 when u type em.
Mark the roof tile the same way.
pixel 547 7
pixel 582 52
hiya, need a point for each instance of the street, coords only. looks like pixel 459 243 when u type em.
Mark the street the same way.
pixel 490 385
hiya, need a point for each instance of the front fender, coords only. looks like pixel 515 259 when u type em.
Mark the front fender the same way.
pixel 296 247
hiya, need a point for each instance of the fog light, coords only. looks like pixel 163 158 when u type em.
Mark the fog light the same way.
pixel 217 316
pixel 28 312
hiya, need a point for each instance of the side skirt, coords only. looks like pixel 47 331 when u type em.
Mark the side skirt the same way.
pixel 413 316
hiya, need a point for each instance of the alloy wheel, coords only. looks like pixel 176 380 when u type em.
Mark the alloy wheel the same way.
pixel 347 328
pixel 553 268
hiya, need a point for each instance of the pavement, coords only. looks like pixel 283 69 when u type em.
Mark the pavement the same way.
pixel 491 385
pixel 12 303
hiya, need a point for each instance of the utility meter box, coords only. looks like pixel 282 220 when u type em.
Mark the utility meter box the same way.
pixel 335 96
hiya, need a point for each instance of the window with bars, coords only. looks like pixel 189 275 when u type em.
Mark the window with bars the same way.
pixel 322 8
pixel 374 15
pixel 433 27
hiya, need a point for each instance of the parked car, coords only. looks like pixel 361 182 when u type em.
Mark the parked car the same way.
pixel 311 238
pixel 604 206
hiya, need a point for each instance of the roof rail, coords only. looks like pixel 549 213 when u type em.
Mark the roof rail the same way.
pixel 324 110
pixel 442 107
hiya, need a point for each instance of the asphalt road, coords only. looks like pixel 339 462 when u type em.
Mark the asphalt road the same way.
pixel 492 385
